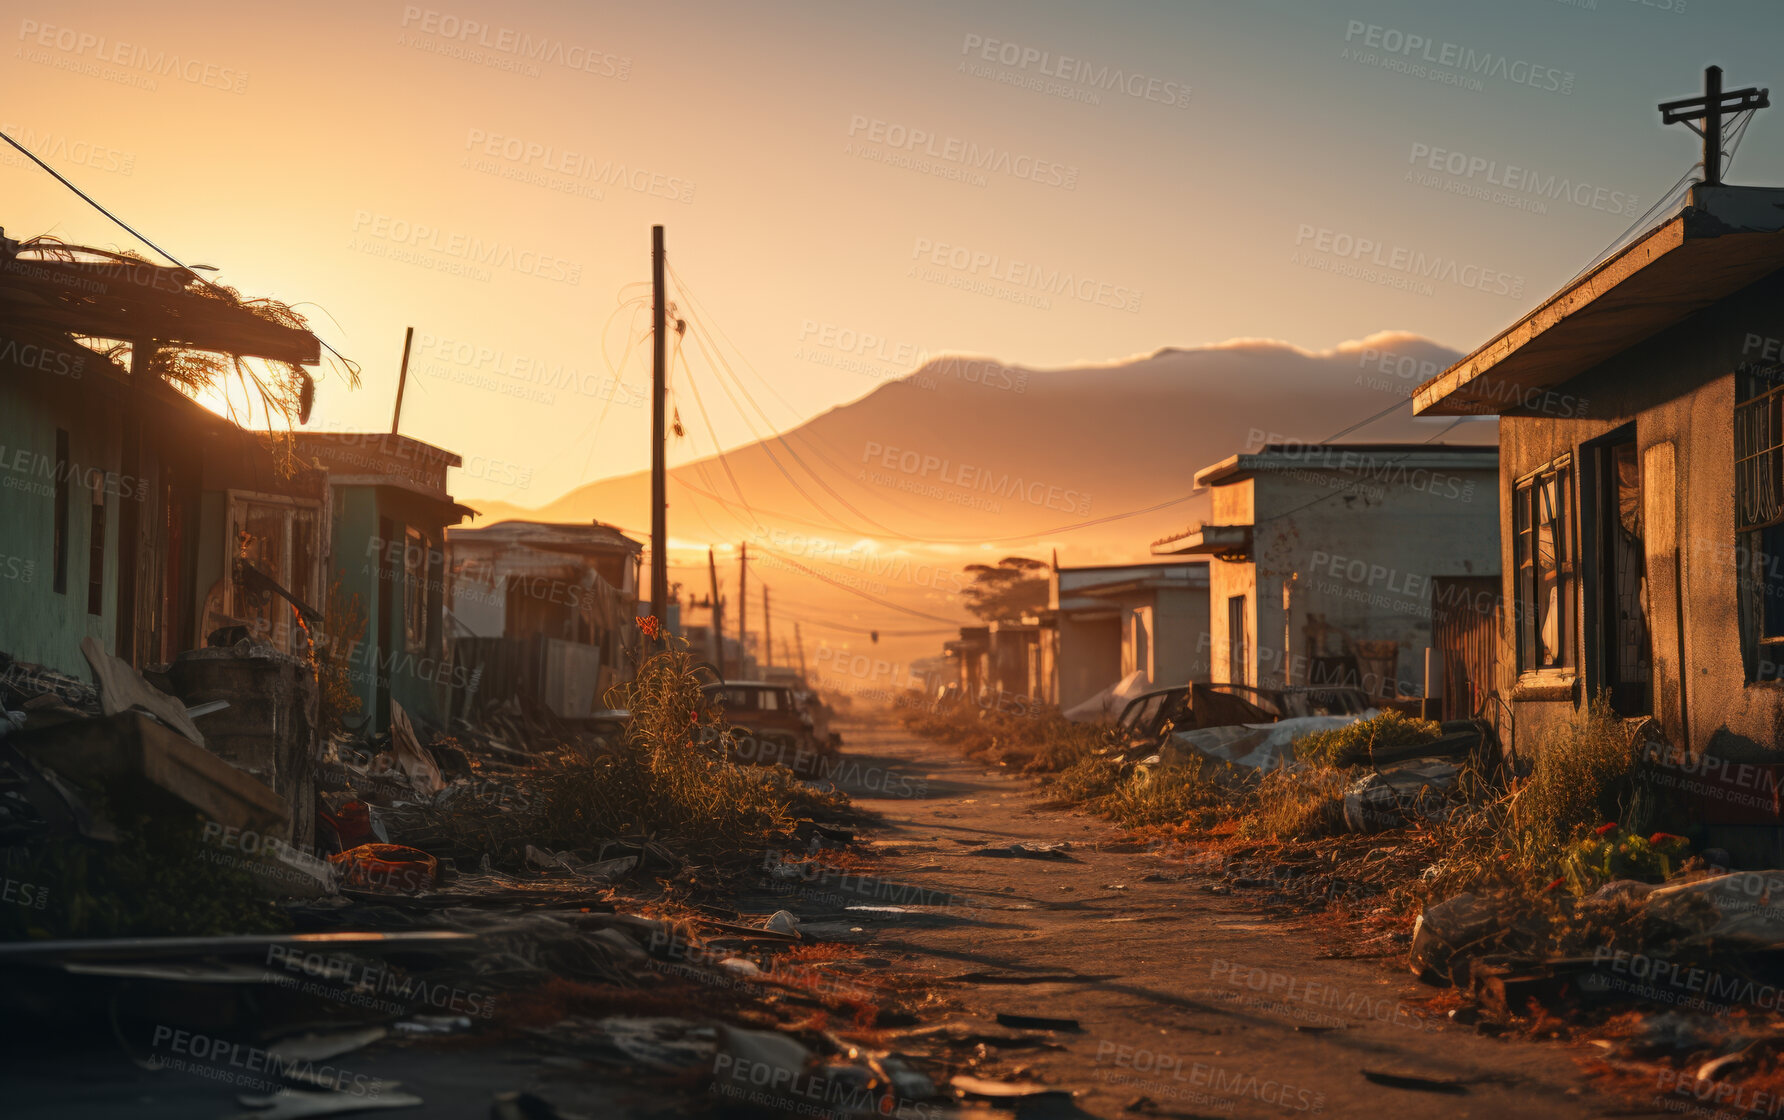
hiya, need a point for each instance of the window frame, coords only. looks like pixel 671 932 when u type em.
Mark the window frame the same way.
pixel 1527 571
pixel 283 635
pixel 1758 432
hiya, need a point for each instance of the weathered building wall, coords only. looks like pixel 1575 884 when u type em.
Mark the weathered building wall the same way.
pixel 1179 639
pixel 38 623
pixel 1678 388
pixel 1346 556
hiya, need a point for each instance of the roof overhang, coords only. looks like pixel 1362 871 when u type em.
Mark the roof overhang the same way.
pixel 1725 239
pixel 1223 542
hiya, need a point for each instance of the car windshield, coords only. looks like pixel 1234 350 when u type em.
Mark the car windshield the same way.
pixel 753 699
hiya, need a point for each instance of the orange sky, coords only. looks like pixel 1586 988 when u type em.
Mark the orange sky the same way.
pixel 808 160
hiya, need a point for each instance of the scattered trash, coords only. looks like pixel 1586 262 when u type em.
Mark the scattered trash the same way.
pixel 1390 798
pixel 1036 1022
pixel 386 867
pixel 122 689
pixel 522 1106
pixel 1027 849
pixel 1252 746
pixel 320 1047
pixel 406 754
pixel 1411 1081
pixel 1004 1090
pixel 433 1024
pixel 297 1104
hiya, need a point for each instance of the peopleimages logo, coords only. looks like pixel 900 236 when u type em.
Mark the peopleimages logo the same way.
pixel 1480 173
pixel 968 477
pixel 1072 71
pixel 1402 47
pixel 1024 276
pixel 1409 263
pixel 967 155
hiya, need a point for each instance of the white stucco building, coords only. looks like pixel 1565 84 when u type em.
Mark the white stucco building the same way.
pixel 1330 562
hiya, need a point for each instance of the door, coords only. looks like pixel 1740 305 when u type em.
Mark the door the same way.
pixel 1625 651
pixel 1465 629
pixel 1238 642
pixel 1666 600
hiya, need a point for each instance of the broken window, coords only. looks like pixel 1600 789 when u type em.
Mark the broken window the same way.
pixel 417 585
pixel 1759 516
pixel 1542 521
pixel 277 538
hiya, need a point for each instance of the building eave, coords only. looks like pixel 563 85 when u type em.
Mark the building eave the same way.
pixel 1725 239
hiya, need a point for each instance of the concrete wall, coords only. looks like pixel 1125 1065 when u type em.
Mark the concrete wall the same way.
pixel 1179 639
pixel 1337 557
pixel 1679 389
pixel 1088 658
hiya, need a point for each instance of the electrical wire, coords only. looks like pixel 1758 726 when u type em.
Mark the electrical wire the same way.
pixel 94 203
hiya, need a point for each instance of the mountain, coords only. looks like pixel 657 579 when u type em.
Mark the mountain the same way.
pixel 969 459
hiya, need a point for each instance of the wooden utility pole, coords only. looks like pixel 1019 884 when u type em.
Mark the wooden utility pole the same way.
pixel 659 498
pixel 743 607
pixel 1710 109
pixel 402 381
pixel 767 631
pixel 718 616
pixel 800 638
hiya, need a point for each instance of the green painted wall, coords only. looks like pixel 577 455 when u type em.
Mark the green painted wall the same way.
pixel 417 679
pixel 38 624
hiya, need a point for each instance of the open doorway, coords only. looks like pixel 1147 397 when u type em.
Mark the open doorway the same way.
pixel 1625 650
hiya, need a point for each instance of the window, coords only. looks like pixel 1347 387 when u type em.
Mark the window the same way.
pixel 59 543
pixel 279 539
pixel 1542 521
pixel 416 586
pixel 1759 516
pixel 1238 642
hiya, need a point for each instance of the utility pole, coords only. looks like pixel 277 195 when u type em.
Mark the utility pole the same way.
pixel 800 638
pixel 767 630
pixel 402 381
pixel 718 615
pixel 1710 109
pixel 743 607
pixel 659 498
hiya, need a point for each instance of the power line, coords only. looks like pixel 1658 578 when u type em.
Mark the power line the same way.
pixel 91 201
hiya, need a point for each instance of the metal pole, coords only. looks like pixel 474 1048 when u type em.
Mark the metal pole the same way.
pixel 402 381
pixel 1712 126
pixel 718 616
pixel 659 499
pixel 743 607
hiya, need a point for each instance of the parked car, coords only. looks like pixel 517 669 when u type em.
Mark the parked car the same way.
pixel 769 727
pixel 1150 717
pixel 1293 703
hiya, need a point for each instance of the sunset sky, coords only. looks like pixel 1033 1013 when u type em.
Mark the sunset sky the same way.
pixel 346 156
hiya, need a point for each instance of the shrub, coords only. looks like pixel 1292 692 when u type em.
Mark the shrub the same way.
pixel 1355 744
pixel 1296 804
pixel 1586 773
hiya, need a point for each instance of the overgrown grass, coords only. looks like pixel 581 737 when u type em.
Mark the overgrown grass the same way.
pixel 670 781
pixel 1515 841
pixel 1587 773
pixel 1355 744
pixel 1036 740
pixel 1296 805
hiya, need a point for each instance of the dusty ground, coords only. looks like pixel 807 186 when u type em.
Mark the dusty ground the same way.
pixel 1167 975
pixel 1186 997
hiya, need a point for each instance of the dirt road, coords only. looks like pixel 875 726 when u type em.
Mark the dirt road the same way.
pixel 1183 996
